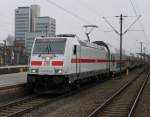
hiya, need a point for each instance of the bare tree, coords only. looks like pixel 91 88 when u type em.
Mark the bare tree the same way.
pixel 10 40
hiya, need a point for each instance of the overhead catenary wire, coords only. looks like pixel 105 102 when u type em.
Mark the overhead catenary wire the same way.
pixel 99 14
pixel 137 12
pixel 68 12
pixel 133 7
pixel 131 25
pixel 72 13
pixel 110 25
pixel 93 10
pixel 113 16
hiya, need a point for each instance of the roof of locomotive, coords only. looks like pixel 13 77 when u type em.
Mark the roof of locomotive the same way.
pixel 75 40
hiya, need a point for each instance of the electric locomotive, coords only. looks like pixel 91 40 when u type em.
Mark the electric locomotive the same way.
pixel 65 60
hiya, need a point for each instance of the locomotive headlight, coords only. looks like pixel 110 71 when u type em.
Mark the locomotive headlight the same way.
pixel 48 58
pixel 58 71
pixel 34 70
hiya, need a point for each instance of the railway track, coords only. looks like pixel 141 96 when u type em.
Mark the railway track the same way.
pixel 19 107
pixel 25 105
pixel 123 102
pixel 23 85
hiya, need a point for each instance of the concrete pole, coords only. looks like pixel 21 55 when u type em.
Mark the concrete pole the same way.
pixel 121 21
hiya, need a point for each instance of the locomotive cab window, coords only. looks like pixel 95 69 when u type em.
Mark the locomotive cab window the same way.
pixel 49 46
pixel 75 50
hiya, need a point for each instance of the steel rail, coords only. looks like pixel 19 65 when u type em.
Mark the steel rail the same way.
pixel 97 110
pixel 22 85
pixel 138 96
pixel 22 106
pixel 19 107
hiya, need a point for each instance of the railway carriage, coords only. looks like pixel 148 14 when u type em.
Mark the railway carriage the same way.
pixel 115 61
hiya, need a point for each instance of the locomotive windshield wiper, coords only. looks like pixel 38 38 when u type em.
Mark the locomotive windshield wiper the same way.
pixel 47 49
pixel 51 49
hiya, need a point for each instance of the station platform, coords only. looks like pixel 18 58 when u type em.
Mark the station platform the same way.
pixel 14 66
pixel 12 79
pixel 13 69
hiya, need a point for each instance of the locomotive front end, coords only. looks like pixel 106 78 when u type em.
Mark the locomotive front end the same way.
pixel 47 63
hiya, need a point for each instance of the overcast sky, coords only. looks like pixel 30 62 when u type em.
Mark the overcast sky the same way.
pixel 87 12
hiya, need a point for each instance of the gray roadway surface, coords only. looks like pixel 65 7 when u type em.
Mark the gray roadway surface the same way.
pixel 12 79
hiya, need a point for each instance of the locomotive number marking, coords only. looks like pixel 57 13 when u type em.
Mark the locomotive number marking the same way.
pixel 46 63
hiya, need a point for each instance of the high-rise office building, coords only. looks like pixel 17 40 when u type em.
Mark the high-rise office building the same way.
pixel 35 12
pixel 24 21
pixel 46 25
pixel 29 24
